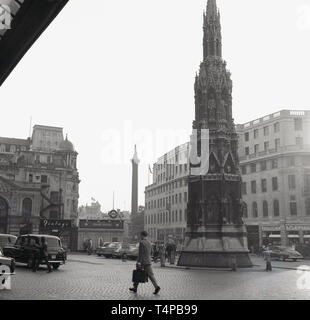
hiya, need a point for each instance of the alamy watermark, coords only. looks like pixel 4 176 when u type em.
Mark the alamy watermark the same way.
pixel 5 17
pixel 5 277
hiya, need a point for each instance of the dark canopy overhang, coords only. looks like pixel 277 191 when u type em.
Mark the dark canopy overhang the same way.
pixel 29 20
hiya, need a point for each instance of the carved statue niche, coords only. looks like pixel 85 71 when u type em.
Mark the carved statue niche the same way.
pixel 223 110
pixel 212 210
pixel 229 214
pixel 212 107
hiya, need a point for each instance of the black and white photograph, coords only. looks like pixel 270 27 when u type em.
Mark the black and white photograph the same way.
pixel 154 151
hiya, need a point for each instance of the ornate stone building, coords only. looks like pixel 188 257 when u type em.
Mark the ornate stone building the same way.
pixel 39 183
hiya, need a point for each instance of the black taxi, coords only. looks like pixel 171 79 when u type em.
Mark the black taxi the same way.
pixel 24 250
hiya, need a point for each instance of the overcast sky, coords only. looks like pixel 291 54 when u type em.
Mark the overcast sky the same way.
pixel 113 73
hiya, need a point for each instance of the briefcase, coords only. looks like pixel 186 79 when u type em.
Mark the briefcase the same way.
pixel 139 276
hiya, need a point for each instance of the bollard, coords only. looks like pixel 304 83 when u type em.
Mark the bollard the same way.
pixel 268 263
pixel 234 263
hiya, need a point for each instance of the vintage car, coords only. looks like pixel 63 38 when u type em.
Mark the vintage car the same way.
pixel 100 249
pixel 24 250
pixel 108 250
pixel 7 239
pixel 121 250
pixel 282 253
pixel 9 262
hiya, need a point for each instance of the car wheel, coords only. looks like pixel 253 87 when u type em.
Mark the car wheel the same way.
pixel 56 266
pixel 99 255
pixel 295 260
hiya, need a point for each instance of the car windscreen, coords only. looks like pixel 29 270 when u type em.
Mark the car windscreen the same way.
pixel 53 243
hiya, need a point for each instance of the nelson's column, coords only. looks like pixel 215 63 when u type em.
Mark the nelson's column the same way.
pixel 215 235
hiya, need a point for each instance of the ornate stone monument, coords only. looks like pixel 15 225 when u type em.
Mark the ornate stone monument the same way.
pixel 216 235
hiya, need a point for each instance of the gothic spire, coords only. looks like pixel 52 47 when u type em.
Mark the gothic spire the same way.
pixel 212 43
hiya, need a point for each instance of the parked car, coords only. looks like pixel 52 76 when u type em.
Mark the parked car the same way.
pixel 108 250
pixel 7 239
pixel 23 250
pixel 283 253
pixel 121 250
pixel 100 249
pixel 133 251
pixel 10 262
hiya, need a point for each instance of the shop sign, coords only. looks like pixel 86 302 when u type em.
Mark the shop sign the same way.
pixel 47 224
pixel 102 224
pixel 292 227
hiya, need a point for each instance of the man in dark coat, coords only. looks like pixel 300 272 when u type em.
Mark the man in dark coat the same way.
pixel 144 259
pixel 44 254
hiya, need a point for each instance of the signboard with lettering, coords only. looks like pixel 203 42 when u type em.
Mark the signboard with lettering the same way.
pixel 102 224
pixel 47 224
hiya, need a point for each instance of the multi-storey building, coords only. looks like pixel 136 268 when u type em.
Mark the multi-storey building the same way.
pixel 166 198
pixel 274 153
pixel 39 184
pixel 274 156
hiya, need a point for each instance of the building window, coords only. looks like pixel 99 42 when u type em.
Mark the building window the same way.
pixel 275 184
pixel 291 161
pixel 265 209
pixel 307 183
pixel 180 215
pixel 43 179
pixel 298 124
pixel 27 208
pixel 299 141
pixel 245 210
pixel 308 206
pixel 253 186
pixel 276 127
pixel 54 215
pixel 30 178
pixel 274 164
pixel 276 208
pixel 247 151
pixel 243 169
pixel 256 148
pixel 256 133
pixel 185 196
pixel 254 210
pixel 266 131
pixel 253 167
pixel 246 136
pixel 243 188
pixel 266 146
pixel 263 165
pixel 277 144
pixel 293 206
pixel 264 185
pixel 291 182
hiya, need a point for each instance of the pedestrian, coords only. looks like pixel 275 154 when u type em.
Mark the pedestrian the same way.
pixel 44 254
pixel 144 260
pixel 36 255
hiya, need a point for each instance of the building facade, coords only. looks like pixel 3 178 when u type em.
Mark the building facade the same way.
pixel 39 184
pixel 275 164
pixel 274 153
pixel 166 198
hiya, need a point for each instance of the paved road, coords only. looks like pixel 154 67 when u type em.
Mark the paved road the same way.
pixel 92 277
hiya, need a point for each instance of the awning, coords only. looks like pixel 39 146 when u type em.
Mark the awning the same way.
pixel 295 236
pixel 306 235
pixel 275 236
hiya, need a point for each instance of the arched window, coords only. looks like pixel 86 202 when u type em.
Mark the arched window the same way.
pixel 308 207
pixel 27 208
pixel 254 210
pixel 276 208
pixel 265 209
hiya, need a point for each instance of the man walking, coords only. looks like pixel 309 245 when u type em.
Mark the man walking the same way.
pixel 44 254
pixel 144 259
